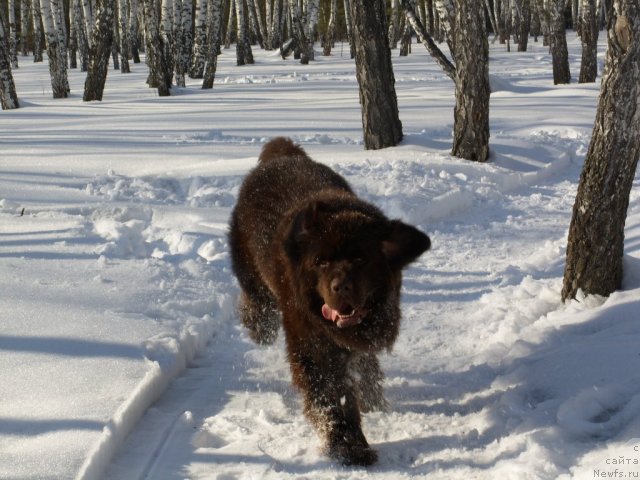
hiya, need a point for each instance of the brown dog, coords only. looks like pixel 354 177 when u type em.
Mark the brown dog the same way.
pixel 306 248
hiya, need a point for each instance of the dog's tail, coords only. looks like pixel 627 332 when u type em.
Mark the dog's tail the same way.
pixel 280 147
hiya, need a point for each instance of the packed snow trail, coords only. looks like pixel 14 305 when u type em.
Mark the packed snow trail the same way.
pixel 494 272
pixel 115 275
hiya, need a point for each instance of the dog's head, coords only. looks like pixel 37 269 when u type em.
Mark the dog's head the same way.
pixel 348 263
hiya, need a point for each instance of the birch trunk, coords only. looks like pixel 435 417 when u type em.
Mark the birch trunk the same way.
pixel 427 41
pixel 100 51
pixel 558 43
pixel 596 235
pixel 125 44
pixel 471 113
pixel 331 29
pixel 25 7
pixel 214 33
pixel 589 65
pixel 380 120
pixel 8 96
pixel 133 31
pixel 37 31
pixel 313 13
pixel 199 40
pixel 244 55
pixel 13 34
pixel 57 60
pixel 349 25
pixel 158 69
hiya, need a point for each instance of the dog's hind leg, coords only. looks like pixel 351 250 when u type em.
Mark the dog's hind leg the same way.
pixel 257 307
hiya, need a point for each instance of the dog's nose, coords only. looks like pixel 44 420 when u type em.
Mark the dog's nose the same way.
pixel 341 285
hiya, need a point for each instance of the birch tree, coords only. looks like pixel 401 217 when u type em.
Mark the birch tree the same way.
pixel 214 33
pixel 101 41
pixel 596 235
pixel 37 31
pixel 199 40
pixel 13 34
pixel 55 51
pixel 471 113
pixel 589 37
pixel 329 35
pixel 25 10
pixel 244 55
pixel 125 47
pixel 558 43
pixel 8 96
pixel 380 119
pixel 159 70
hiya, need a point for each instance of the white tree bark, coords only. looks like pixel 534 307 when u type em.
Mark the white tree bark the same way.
pixel 8 97
pixel 55 52
pixel 199 40
pixel 13 34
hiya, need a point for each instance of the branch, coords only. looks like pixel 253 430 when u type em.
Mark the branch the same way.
pixel 427 41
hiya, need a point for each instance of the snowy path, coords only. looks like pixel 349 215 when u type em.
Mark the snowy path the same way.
pixel 119 350
pixel 234 415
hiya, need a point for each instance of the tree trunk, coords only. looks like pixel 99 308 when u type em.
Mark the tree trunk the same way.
pixel 133 30
pixel 25 7
pixel 57 59
pixel 524 25
pixel 244 55
pixel 331 29
pixel 158 69
pixel 13 34
pixel 427 41
pixel 558 43
pixel 349 26
pixel 37 31
pixel 199 40
pixel 471 113
pixel 589 65
pixel 380 119
pixel 214 20
pixel 8 96
pixel 100 51
pixel 596 234
pixel 125 44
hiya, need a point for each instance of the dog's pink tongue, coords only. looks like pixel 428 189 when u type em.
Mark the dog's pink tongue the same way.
pixel 329 313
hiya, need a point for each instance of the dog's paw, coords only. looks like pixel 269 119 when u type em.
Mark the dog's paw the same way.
pixel 351 455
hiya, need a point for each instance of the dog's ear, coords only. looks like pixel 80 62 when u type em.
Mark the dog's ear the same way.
pixel 303 230
pixel 403 244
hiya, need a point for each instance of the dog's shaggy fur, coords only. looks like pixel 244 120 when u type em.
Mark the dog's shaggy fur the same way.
pixel 308 252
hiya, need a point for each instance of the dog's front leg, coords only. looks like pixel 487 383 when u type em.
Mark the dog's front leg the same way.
pixel 319 370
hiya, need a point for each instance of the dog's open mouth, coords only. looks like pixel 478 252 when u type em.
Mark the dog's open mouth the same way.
pixel 345 317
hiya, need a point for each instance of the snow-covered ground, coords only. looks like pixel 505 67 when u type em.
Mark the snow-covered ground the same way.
pixel 120 353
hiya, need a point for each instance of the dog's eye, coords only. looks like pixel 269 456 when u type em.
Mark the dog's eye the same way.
pixel 321 262
pixel 359 261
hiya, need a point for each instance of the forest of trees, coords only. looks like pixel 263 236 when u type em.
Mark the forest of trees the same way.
pixel 184 37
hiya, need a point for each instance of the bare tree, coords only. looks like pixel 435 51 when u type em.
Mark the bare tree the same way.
pixel 589 36
pixel 596 234
pixel 199 40
pixel 102 38
pixel 558 43
pixel 380 120
pixel 214 20
pixel 55 50
pixel 471 51
pixel 13 34
pixel 8 96
pixel 159 70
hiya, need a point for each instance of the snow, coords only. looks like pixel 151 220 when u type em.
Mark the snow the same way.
pixel 120 353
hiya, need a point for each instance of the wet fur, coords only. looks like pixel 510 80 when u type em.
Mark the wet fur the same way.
pixel 300 239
